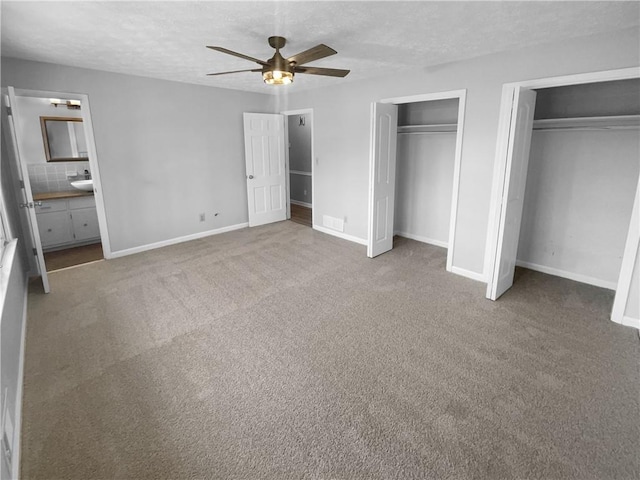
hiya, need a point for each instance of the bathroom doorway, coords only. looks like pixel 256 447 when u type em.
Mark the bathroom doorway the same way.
pixel 60 189
pixel 299 131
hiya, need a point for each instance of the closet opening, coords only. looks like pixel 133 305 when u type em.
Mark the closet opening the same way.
pixel 568 206
pixel 415 169
pixel 425 159
pixel 299 131
pixel 581 181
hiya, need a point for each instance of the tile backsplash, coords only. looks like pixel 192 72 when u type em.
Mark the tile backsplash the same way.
pixel 55 177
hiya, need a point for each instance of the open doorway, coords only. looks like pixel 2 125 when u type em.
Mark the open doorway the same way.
pixel 299 130
pixel 570 183
pixel 414 171
pixel 55 161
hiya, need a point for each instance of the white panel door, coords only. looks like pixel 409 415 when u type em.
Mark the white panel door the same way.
pixel 15 137
pixel 382 178
pixel 512 201
pixel 266 173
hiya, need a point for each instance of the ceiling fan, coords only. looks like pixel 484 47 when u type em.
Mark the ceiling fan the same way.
pixel 279 70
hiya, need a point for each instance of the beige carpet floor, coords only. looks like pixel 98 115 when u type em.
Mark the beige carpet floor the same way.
pixel 279 352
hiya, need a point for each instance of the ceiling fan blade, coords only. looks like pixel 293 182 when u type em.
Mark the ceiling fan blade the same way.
pixel 330 72
pixel 235 71
pixel 315 53
pixel 236 54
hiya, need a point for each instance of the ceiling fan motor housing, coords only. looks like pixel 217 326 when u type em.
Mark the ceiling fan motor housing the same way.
pixel 278 62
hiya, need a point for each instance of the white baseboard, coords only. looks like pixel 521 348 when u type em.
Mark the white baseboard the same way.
pixel 342 235
pixel 568 275
pixel 631 322
pixel 479 277
pixel 302 204
pixel 173 241
pixel 418 238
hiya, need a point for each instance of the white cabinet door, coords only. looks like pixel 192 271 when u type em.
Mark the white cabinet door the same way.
pixel 55 228
pixel 85 224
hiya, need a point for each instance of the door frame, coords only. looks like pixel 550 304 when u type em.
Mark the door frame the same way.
pixel 287 114
pixel 500 167
pixel 461 95
pixel 92 154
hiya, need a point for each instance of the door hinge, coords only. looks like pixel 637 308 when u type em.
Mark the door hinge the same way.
pixel 35 251
pixel 9 111
pixel 22 184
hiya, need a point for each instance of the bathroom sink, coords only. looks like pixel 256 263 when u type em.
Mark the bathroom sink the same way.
pixel 86 185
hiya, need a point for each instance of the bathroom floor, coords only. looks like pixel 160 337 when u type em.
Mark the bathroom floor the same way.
pixel 73 256
pixel 300 214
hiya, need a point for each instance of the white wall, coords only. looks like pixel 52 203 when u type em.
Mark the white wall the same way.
pixel 618 97
pixel 424 183
pixel 167 151
pixel 429 112
pixel 580 191
pixel 342 126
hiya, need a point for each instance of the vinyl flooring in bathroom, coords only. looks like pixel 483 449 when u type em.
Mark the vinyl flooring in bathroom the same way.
pixel 73 256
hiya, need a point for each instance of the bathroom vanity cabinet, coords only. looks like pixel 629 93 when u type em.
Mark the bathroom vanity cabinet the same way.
pixel 67 222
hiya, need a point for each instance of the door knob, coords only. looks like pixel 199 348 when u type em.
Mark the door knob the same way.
pixel 250 177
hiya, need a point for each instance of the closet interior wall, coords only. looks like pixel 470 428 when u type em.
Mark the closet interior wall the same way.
pixel 424 170
pixel 581 182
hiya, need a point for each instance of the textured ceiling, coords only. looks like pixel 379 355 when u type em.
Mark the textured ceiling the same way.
pixel 167 39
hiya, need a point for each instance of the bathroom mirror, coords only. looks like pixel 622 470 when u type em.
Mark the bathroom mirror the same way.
pixel 64 139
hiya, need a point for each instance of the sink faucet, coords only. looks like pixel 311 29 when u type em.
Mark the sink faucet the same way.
pixel 87 175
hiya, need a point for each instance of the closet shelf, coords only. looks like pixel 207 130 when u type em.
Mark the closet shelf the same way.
pixel 433 128
pixel 581 123
pixel 298 172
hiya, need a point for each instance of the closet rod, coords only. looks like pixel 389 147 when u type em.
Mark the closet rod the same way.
pixel 427 133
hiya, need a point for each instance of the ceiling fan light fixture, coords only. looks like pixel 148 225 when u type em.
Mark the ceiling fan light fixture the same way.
pixel 277 77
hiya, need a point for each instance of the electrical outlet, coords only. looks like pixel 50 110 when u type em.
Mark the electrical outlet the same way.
pixel 202 217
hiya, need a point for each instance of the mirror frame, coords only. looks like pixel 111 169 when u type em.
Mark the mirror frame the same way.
pixel 45 138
